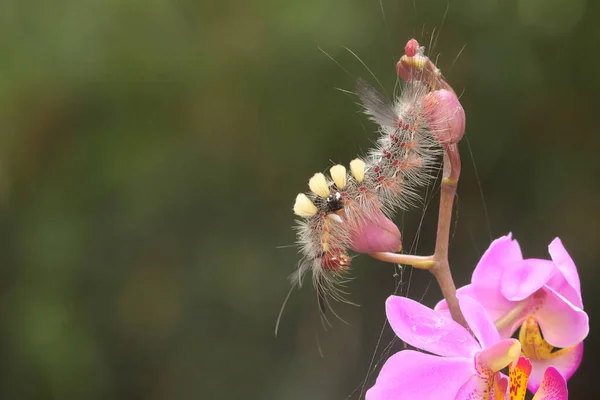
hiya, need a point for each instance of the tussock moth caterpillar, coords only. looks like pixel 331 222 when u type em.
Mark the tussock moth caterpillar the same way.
pixel 351 209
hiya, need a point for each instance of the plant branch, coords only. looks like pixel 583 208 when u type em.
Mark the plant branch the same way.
pixel 438 263
pixel 421 262
pixel 441 267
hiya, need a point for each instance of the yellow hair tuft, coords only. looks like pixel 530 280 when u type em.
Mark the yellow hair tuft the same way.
pixel 357 167
pixel 318 185
pixel 338 174
pixel 304 207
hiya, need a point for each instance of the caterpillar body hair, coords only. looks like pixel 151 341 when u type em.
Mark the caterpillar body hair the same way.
pixel 340 207
pixel 351 209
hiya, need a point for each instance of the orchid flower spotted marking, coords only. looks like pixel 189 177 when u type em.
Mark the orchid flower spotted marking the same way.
pixel 553 385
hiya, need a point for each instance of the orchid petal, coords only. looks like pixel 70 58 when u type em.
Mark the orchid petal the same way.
pixel 466 290
pixel 502 252
pixel 487 384
pixel 500 386
pixel 554 386
pixel 566 363
pixel 560 285
pixel 476 388
pixel 413 375
pixel 519 374
pixel 567 268
pixel 562 323
pixel 479 321
pixel 493 302
pixel 487 278
pixel 429 330
pixel 491 299
pixel 520 280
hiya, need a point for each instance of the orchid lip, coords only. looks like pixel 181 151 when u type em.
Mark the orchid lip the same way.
pixel 500 354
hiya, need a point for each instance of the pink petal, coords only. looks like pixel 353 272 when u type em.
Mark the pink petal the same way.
pixel 561 323
pixel 479 321
pixel 521 279
pixel 476 388
pixel 502 252
pixel 554 386
pixel 429 330
pixel 567 268
pixel 566 365
pixel 500 387
pixel 413 375
pixel 492 301
pixel 466 290
pixel 487 278
pixel 560 285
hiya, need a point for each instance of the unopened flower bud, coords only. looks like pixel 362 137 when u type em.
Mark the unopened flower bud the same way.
pixel 378 234
pixel 411 48
pixel 414 65
pixel 445 116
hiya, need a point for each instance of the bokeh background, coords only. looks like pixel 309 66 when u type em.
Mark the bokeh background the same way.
pixel 150 153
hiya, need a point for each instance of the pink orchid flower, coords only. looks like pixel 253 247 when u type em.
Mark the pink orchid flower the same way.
pixel 528 292
pixel 461 366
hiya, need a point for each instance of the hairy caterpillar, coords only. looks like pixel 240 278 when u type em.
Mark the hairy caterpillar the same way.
pixel 350 209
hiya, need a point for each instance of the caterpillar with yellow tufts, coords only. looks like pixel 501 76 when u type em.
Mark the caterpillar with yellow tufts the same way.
pixel 351 210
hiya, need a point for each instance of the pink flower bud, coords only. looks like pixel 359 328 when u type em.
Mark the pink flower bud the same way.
pixel 411 48
pixel 378 234
pixel 414 65
pixel 445 116
pixel 411 63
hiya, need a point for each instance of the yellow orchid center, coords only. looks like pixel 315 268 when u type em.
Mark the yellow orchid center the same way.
pixel 533 344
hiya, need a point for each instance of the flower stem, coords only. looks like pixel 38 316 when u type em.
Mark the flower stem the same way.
pixel 421 262
pixel 441 267
pixel 438 263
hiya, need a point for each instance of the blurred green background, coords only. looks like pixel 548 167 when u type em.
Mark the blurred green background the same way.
pixel 150 155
